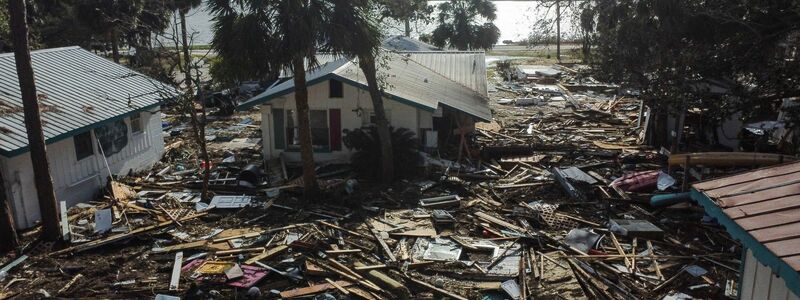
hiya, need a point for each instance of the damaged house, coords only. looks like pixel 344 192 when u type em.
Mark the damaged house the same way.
pixel 432 93
pixel 98 117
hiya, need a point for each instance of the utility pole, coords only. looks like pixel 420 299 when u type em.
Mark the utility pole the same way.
pixel 33 122
pixel 558 30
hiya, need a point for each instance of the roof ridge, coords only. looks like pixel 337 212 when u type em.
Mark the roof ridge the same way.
pixel 43 50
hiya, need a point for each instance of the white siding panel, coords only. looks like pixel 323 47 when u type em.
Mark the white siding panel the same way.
pixel 748 276
pixel 761 284
pixel 778 289
pixel 78 181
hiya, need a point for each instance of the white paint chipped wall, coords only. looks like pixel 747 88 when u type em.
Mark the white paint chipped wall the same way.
pixel 79 181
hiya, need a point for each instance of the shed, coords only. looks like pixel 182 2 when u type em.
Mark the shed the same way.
pixel 760 208
pixel 97 117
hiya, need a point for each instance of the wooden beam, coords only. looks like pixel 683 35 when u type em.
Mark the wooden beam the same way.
pixel 267 254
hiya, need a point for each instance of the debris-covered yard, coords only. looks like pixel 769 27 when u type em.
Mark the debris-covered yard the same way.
pixel 552 200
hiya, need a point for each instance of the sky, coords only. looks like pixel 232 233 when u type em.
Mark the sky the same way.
pixel 515 19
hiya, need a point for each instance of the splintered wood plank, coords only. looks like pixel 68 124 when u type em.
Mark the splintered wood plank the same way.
pixel 269 253
pixel 488 218
pixel 180 247
pixel 314 289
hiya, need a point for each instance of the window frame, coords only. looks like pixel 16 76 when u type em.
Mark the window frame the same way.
pixel 81 145
pixel 137 117
pixel 335 89
pixel 292 131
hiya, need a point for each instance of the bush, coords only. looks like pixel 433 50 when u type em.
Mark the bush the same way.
pixel 367 159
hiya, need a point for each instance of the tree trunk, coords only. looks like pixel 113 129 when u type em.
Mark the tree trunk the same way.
pixel 187 58
pixel 558 30
pixel 408 27
pixel 8 232
pixel 198 124
pixel 384 133
pixel 33 123
pixel 201 128
pixel 114 46
pixel 311 188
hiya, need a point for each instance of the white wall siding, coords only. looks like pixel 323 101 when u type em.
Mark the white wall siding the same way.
pixel 355 100
pixel 760 283
pixel 79 181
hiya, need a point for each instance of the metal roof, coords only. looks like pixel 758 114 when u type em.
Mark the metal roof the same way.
pixel 465 67
pixel 403 43
pixel 762 209
pixel 407 81
pixel 77 90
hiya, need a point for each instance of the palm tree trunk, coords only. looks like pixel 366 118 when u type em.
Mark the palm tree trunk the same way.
pixel 311 188
pixel 8 232
pixel 367 64
pixel 187 59
pixel 33 122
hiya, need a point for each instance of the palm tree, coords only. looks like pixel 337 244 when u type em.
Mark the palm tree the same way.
pixel 460 25
pixel 353 29
pixel 298 30
pixel 33 122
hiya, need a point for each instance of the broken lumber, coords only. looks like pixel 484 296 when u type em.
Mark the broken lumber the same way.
pixel 267 254
pixel 435 289
pixel 314 289
pixel 120 237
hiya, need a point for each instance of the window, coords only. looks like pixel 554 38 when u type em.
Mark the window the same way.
pixel 83 145
pixel 320 135
pixel 319 128
pixel 136 123
pixel 336 88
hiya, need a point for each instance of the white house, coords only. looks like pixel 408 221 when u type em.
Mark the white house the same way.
pixel 429 92
pixel 97 116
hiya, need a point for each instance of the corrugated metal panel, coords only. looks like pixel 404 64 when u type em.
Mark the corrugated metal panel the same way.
pixel 766 204
pixel 78 90
pixel 465 67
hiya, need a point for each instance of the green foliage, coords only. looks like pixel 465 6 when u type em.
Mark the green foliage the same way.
pixel 466 25
pixel 367 159
pixel 408 11
pixel 260 38
pixel 719 56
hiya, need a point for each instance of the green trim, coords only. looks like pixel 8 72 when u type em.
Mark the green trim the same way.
pixel 25 149
pixel 760 252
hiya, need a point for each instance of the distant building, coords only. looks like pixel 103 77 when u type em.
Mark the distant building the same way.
pixel 428 92
pixel 761 209
pixel 97 116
